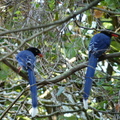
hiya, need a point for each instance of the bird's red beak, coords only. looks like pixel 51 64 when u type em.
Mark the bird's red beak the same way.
pixel 41 55
pixel 114 35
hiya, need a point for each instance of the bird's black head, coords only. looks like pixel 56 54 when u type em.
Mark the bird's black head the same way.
pixel 109 33
pixel 35 51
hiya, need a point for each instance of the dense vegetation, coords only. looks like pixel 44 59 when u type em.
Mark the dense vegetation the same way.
pixel 62 31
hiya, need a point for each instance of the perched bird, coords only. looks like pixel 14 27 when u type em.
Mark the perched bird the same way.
pixel 26 59
pixel 98 45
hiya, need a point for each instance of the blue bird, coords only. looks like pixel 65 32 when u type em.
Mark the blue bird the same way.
pixel 98 45
pixel 26 59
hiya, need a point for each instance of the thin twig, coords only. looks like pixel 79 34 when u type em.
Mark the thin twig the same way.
pixel 59 22
pixel 26 40
pixel 10 106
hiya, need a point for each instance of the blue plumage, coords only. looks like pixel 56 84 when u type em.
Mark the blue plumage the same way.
pixel 98 45
pixel 26 59
pixel 33 88
pixel 89 75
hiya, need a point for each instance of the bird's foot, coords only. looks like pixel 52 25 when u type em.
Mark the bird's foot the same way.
pixel 19 69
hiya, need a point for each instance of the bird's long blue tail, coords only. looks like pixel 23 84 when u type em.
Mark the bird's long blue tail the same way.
pixel 33 89
pixel 88 78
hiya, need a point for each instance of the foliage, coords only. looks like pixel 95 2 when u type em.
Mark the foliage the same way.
pixel 63 47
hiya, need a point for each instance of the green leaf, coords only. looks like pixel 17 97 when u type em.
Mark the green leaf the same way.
pixel 3 71
pixel 18 12
pixel 51 4
pixel 37 5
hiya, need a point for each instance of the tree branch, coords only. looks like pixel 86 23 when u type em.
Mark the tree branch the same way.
pixel 15 69
pixel 58 79
pixel 95 29
pixel 26 40
pixel 74 69
pixel 63 75
pixel 100 9
pixel 10 106
pixel 107 11
pixel 59 22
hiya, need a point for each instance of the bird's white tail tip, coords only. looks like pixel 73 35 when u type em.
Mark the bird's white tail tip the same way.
pixel 33 111
pixel 85 103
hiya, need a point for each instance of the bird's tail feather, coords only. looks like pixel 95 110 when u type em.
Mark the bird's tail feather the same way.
pixel 85 103
pixel 89 75
pixel 33 89
pixel 33 111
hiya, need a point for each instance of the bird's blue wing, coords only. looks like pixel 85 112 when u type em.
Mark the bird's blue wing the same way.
pixel 26 58
pixel 99 44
